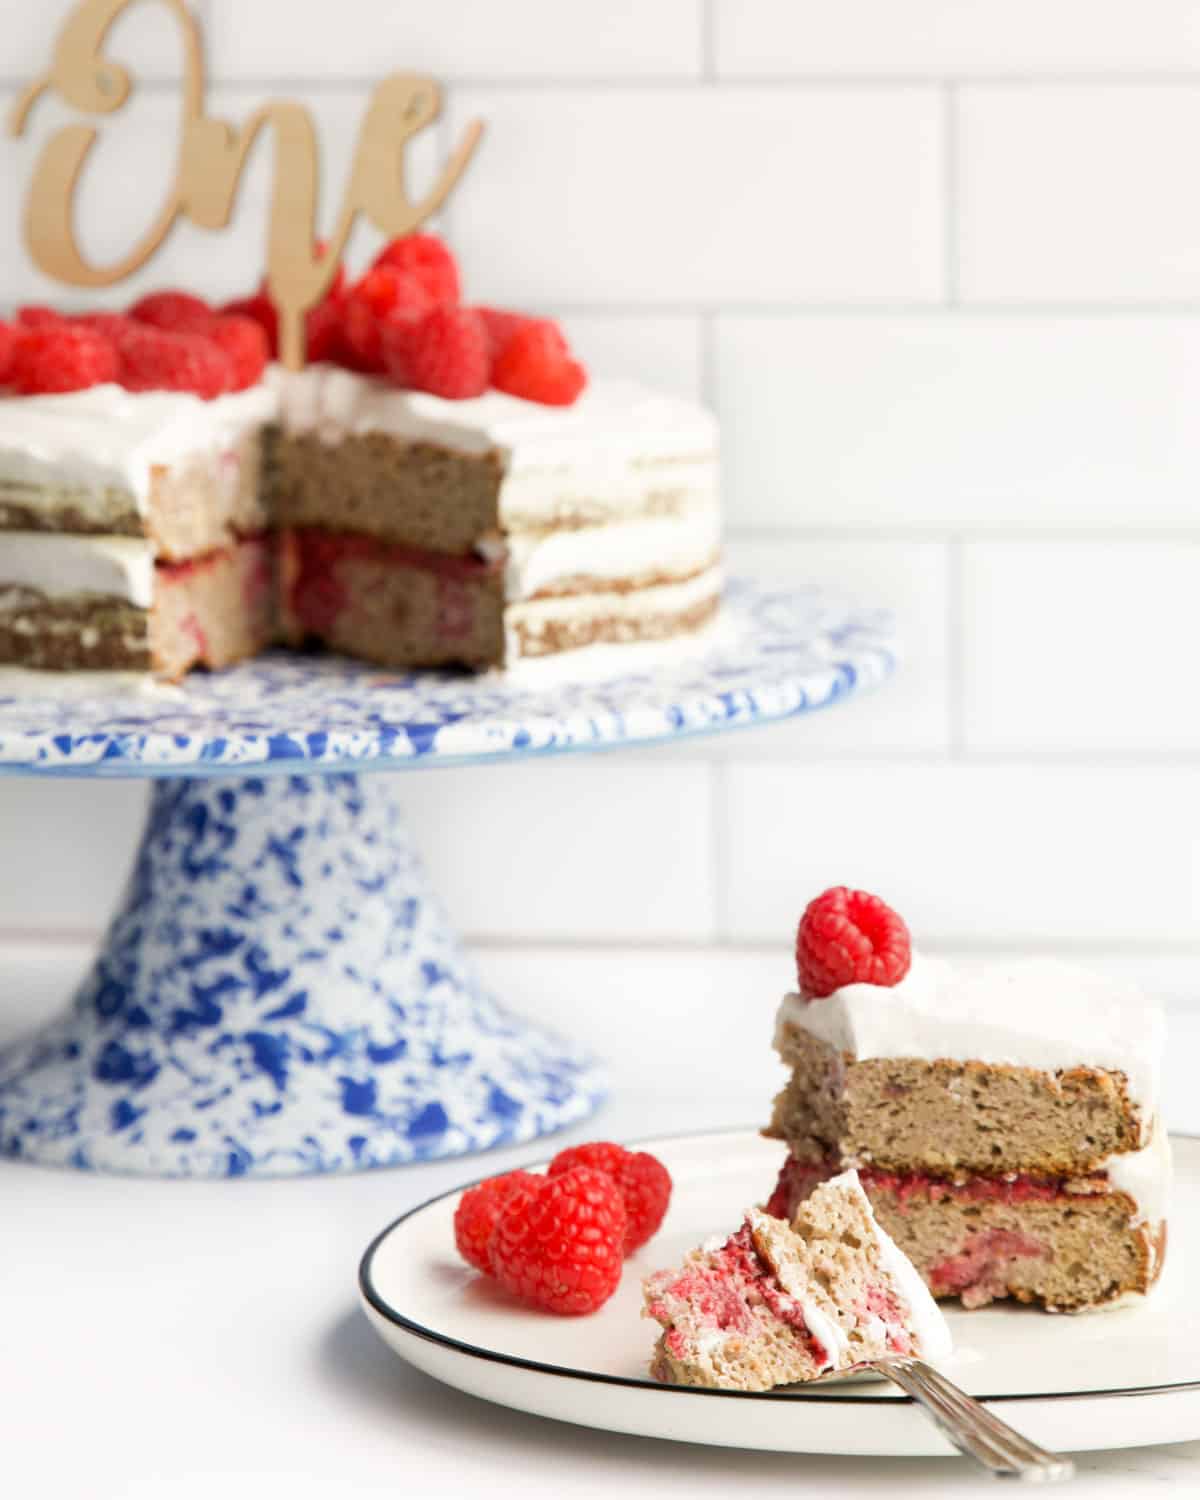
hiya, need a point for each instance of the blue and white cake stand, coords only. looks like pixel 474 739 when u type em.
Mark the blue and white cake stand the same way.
pixel 279 991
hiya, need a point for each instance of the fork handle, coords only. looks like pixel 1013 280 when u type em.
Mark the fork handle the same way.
pixel 971 1427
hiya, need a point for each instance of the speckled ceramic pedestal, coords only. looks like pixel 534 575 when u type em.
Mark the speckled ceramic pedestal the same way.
pixel 279 991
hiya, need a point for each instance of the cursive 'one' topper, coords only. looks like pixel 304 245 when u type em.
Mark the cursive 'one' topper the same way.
pixel 212 155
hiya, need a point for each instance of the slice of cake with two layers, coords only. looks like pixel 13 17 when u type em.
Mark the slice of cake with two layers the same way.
pixel 1004 1120
pixel 423 532
pixel 782 1302
pixel 133 530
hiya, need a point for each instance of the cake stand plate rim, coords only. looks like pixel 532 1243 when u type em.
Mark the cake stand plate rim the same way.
pixel 848 1419
pixel 782 653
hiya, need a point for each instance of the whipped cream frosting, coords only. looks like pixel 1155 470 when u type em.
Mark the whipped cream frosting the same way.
pixel 674 545
pixel 60 565
pixel 611 450
pixel 1033 1013
pixel 90 444
pixel 1145 1175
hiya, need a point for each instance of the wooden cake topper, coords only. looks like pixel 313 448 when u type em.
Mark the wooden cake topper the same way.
pixel 212 155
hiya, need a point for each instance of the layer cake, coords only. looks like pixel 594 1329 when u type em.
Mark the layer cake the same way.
pixel 1004 1121
pixel 145 531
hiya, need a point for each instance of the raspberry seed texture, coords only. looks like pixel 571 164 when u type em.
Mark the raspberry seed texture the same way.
pixel 850 937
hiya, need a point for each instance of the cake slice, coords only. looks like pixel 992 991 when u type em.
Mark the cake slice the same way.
pixel 782 1302
pixel 1004 1119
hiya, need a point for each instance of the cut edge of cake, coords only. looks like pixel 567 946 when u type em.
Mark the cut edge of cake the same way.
pixel 779 1303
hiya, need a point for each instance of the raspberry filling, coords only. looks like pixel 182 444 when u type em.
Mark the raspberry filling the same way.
pixel 797 1179
pixel 978 1273
pixel 728 1294
pixel 317 595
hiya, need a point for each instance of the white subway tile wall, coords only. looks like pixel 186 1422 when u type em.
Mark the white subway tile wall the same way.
pixel 937 266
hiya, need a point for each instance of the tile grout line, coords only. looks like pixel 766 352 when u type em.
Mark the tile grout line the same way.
pixel 956 648
pixel 79 938
pixel 718 778
pixel 831 81
pixel 950 192
pixel 1012 535
pixel 708 41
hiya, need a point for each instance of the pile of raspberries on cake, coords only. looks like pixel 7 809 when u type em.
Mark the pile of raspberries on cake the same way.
pixel 403 321
pixel 558 1241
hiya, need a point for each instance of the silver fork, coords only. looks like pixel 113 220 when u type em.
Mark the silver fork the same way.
pixel 971 1427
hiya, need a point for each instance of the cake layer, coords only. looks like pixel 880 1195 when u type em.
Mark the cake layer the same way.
pixel 779 1303
pixel 1066 1244
pixel 103 604
pixel 1031 1066
pixel 101 460
pixel 619 451
pixel 410 493
pixel 214 610
pixel 395 605
pixel 622 555
pixel 948 1116
pixel 541 627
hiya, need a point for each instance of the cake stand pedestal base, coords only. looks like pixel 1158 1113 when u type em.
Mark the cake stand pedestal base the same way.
pixel 280 993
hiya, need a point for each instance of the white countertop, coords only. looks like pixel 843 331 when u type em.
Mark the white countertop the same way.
pixel 178 1339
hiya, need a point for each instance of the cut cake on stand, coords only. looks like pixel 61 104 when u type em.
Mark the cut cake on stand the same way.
pixel 440 487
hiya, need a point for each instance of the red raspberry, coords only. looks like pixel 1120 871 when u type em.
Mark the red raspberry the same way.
pixel 501 325
pixel 36 316
pixel 643 1181
pixel 444 353
pixel 244 343
pixel 427 258
pixel 174 312
pixel 557 1242
pixel 383 293
pixel 323 338
pixel 536 364
pixel 113 326
pixel 8 345
pixel 53 357
pixel 261 309
pixel 476 1214
pixel 155 360
pixel 850 937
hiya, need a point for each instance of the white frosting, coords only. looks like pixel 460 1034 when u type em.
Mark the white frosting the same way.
pixel 60 564
pixel 1035 1013
pixel 611 450
pixel 672 544
pixel 540 614
pixel 108 439
pixel 931 1335
pixel 1145 1175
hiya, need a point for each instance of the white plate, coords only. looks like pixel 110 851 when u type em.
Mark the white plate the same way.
pixel 1120 1379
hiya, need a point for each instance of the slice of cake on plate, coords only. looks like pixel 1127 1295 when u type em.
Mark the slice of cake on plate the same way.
pixel 1004 1120
pixel 783 1302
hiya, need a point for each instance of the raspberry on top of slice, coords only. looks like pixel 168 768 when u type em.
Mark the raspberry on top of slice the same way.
pixel 850 937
